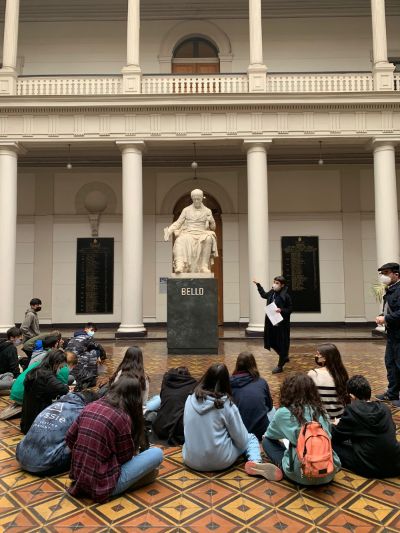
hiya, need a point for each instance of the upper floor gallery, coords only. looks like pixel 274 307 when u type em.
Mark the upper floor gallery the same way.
pixel 158 47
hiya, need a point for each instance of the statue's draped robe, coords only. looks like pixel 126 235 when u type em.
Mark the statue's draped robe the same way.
pixel 192 229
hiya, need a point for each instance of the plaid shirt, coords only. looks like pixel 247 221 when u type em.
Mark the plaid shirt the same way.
pixel 101 441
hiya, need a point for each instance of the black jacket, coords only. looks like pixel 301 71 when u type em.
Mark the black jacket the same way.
pixel 39 394
pixel 253 400
pixel 370 428
pixel 175 389
pixel 8 358
pixel 391 304
pixel 277 337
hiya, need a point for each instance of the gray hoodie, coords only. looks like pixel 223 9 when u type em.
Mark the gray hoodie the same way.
pixel 30 325
pixel 214 438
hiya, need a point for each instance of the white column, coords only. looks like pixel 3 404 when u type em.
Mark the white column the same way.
pixel 257 70
pixel 386 211
pixel 132 240
pixel 8 72
pixel 132 72
pixel 8 233
pixel 257 202
pixel 382 69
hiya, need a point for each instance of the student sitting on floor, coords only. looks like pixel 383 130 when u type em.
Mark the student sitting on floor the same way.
pixel 299 403
pixel 330 378
pixel 251 394
pixel 18 388
pixel 90 355
pixel 365 436
pixel 43 450
pixel 215 436
pixel 42 387
pixel 9 366
pixel 105 442
pixel 52 342
pixel 176 386
pixel 132 365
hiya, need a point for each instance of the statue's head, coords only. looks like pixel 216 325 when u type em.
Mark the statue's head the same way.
pixel 197 197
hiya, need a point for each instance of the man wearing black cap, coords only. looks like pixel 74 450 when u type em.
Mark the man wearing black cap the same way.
pixel 389 274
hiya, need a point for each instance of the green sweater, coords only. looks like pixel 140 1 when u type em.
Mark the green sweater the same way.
pixel 285 426
pixel 18 388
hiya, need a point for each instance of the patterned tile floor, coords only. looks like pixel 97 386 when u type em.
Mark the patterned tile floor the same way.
pixel 185 501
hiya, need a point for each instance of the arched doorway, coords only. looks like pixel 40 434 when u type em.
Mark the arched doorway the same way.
pixel 195 55
pixel 211 203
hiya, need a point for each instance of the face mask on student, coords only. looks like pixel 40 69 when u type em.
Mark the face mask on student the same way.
pixel 90 333
pixel 318 361
pixel 385 279
pixel 276 287
pixel 17 342
pixel 38 309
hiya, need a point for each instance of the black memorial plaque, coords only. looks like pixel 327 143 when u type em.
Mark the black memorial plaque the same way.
pixel 192 316
pixel 300 266
pixel 95 276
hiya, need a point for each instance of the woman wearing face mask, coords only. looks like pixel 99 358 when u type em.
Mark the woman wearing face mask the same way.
pixel 330 378
pixel 277 337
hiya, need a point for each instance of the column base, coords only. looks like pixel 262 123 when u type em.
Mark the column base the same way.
pixel 383 77
pixel 255 331
pixel 257 78
pixel 131 332
pixel 132 80
pixel 8 83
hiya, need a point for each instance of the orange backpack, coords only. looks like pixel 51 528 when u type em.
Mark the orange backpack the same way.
pixel 314 450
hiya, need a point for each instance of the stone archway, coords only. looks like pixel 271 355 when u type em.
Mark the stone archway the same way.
pixel 195 28
pixel 217 268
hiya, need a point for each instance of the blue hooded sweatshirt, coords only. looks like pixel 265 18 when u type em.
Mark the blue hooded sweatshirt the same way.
pixel 254 402
pixel 214 438
pixel 44 447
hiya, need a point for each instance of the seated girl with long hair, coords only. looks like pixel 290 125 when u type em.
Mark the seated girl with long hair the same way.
pixel 299 403
pixel 105 442
pixel 215 436
pixel 42 386
pixel 251 394
pixel 330 378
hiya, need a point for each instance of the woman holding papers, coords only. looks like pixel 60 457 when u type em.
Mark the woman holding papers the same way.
pixel 277 320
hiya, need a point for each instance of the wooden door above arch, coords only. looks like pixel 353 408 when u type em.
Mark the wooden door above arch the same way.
pixel 211 203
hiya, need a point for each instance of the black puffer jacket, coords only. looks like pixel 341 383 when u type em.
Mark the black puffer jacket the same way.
pixel 8 358
pixel 175 389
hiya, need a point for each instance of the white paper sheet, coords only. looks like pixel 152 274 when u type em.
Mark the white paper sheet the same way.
pixel 270 311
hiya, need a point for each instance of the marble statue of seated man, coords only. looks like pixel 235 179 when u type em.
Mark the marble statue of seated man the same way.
pixel 195 241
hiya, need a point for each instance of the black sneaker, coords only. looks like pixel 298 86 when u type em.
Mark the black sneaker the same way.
pixel 385 397
pixel 277 370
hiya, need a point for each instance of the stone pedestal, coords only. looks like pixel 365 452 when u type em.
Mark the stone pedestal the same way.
pixel 192 316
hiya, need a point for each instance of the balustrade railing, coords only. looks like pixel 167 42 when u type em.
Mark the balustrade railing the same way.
pixel 397 81
pixel 319 82
pixel 195 84
pixel 69 85
pixel 334 82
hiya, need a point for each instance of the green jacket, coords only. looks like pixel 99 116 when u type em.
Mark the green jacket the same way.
pixel 285 426
pixel 18 388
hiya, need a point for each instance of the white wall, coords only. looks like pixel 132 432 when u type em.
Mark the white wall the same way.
pixel 290 45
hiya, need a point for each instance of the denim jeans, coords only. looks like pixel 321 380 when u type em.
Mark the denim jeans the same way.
pixel 392 363
pixel 252 451
pixel 274 450
pixel 153 404
pixel 138 467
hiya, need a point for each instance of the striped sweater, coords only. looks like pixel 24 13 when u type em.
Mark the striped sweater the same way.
pixel 327 390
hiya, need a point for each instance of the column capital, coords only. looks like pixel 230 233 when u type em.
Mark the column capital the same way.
pixel 379 142
pixel 131 146
pixel 11 147
pixel 264 144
